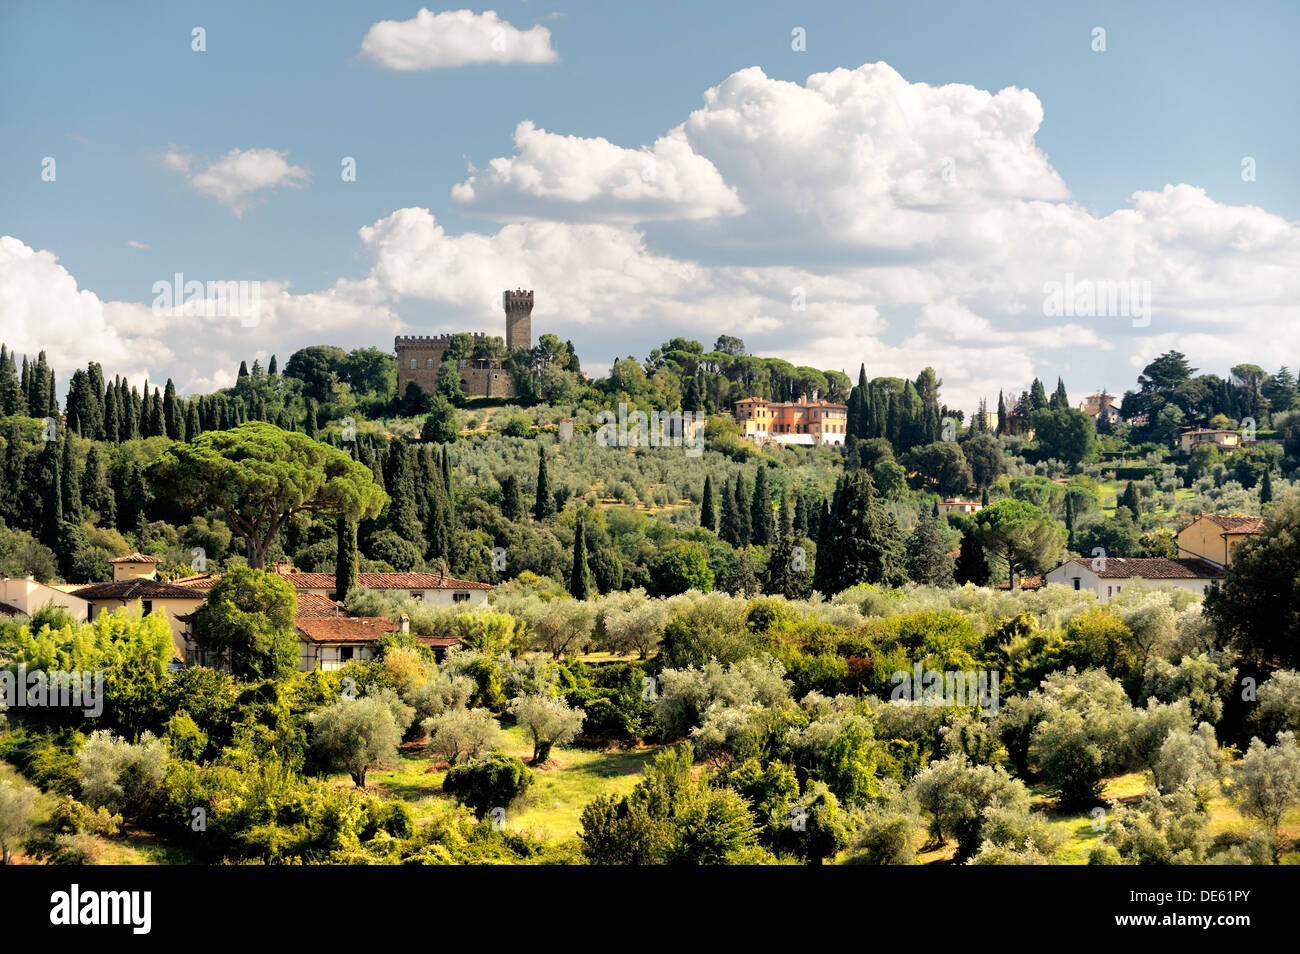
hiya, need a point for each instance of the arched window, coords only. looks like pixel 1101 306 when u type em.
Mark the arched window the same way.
pixel 428 362
pixel 412 364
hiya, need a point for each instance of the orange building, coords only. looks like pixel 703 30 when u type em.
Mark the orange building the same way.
pixel 792 422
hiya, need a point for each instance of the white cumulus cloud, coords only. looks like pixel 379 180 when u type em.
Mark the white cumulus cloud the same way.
pixel 454 38
pixel 234 178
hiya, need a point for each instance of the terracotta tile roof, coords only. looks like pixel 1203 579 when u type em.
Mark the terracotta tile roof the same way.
pixel 1233 524
pixel 315 606
pixel 386 581
pixel 439 642
pixel 1154 568
pixel 344 629
pixel 142 588
pixel 200 581
pixel 136 557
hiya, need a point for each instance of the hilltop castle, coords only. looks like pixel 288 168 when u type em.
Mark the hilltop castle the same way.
pixel 481 373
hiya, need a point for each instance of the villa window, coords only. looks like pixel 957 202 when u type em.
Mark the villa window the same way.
pixel 460 597
pixel 418 596
pixel 345 653
pixel 148 606
pixel 1076 582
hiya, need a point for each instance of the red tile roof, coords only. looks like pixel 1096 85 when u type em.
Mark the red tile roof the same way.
pixel 386 581
pixel 1234 524
pixel 344 629
pixel 142 588
pixel 315 606
pixel 136 557
pixel 439 642
pixel 200 581
pixel 1153 568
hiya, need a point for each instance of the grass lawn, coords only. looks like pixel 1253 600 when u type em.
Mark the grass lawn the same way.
pixel 1227 825
pixel 552 808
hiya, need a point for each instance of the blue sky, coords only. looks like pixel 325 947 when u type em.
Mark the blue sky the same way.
pixel 1181 94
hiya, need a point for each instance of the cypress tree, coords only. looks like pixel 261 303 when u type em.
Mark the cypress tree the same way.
pixel 744 529
pixel 1060 400
pixel 512 502
pixel 96 494
pixel 1266 488
pixel 1130 500
pixel 173 421
pixel 928 560
pixel 310 426
pixel 271 369
pixel 346 559
pixel 402 517
pixel 865 544
pixel 1069 521
pixel 708 513
pixel 787 517
pixel 1002 413
pixel 52 495
pixel 763 529
pixel 972 566
pixel 544 505
pixel 727 529
pixel 70 484
pixel 580 575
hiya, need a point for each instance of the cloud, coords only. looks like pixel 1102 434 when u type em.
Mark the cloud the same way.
pixel 557 176
pixel 132 243
pixel 819 221
pixel 454 38
pixel 44 310
pixel 234 178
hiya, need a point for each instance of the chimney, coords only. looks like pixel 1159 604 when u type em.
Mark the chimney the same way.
pixel 404 623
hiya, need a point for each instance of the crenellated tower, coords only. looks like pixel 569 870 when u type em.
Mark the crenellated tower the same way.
pixel 519 318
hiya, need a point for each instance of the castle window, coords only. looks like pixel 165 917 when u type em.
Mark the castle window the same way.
pixel 428 362
pixel 412 364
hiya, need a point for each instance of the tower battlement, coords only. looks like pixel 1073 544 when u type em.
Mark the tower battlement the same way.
pixel 519 318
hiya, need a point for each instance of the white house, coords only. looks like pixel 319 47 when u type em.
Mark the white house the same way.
pixel 1108 577
pixel 25 595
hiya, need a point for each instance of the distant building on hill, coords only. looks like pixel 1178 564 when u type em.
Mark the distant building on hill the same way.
pixel 419 357
pixel 1100 407
pixel 792 422
pixel 1107 578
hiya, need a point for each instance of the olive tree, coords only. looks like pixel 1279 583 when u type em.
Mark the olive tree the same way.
pixel 17 805
pixel 458 734
pixel 361 734
pixel 549 721
pixel 1266 782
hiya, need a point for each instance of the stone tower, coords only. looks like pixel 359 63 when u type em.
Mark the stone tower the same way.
pixel 519 318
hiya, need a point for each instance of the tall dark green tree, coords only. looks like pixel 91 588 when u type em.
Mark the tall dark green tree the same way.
pixel 70 483
pixel 928 560
pixel 863 543
pixel 762 525
pixel 1266 487
pixel 1130 499
pixel 729 528
pixel 580 574
pixel 403 518
pixel 512 502
pixel 346 559
pixel 744 526
pixel 544 505
pixel 708 512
